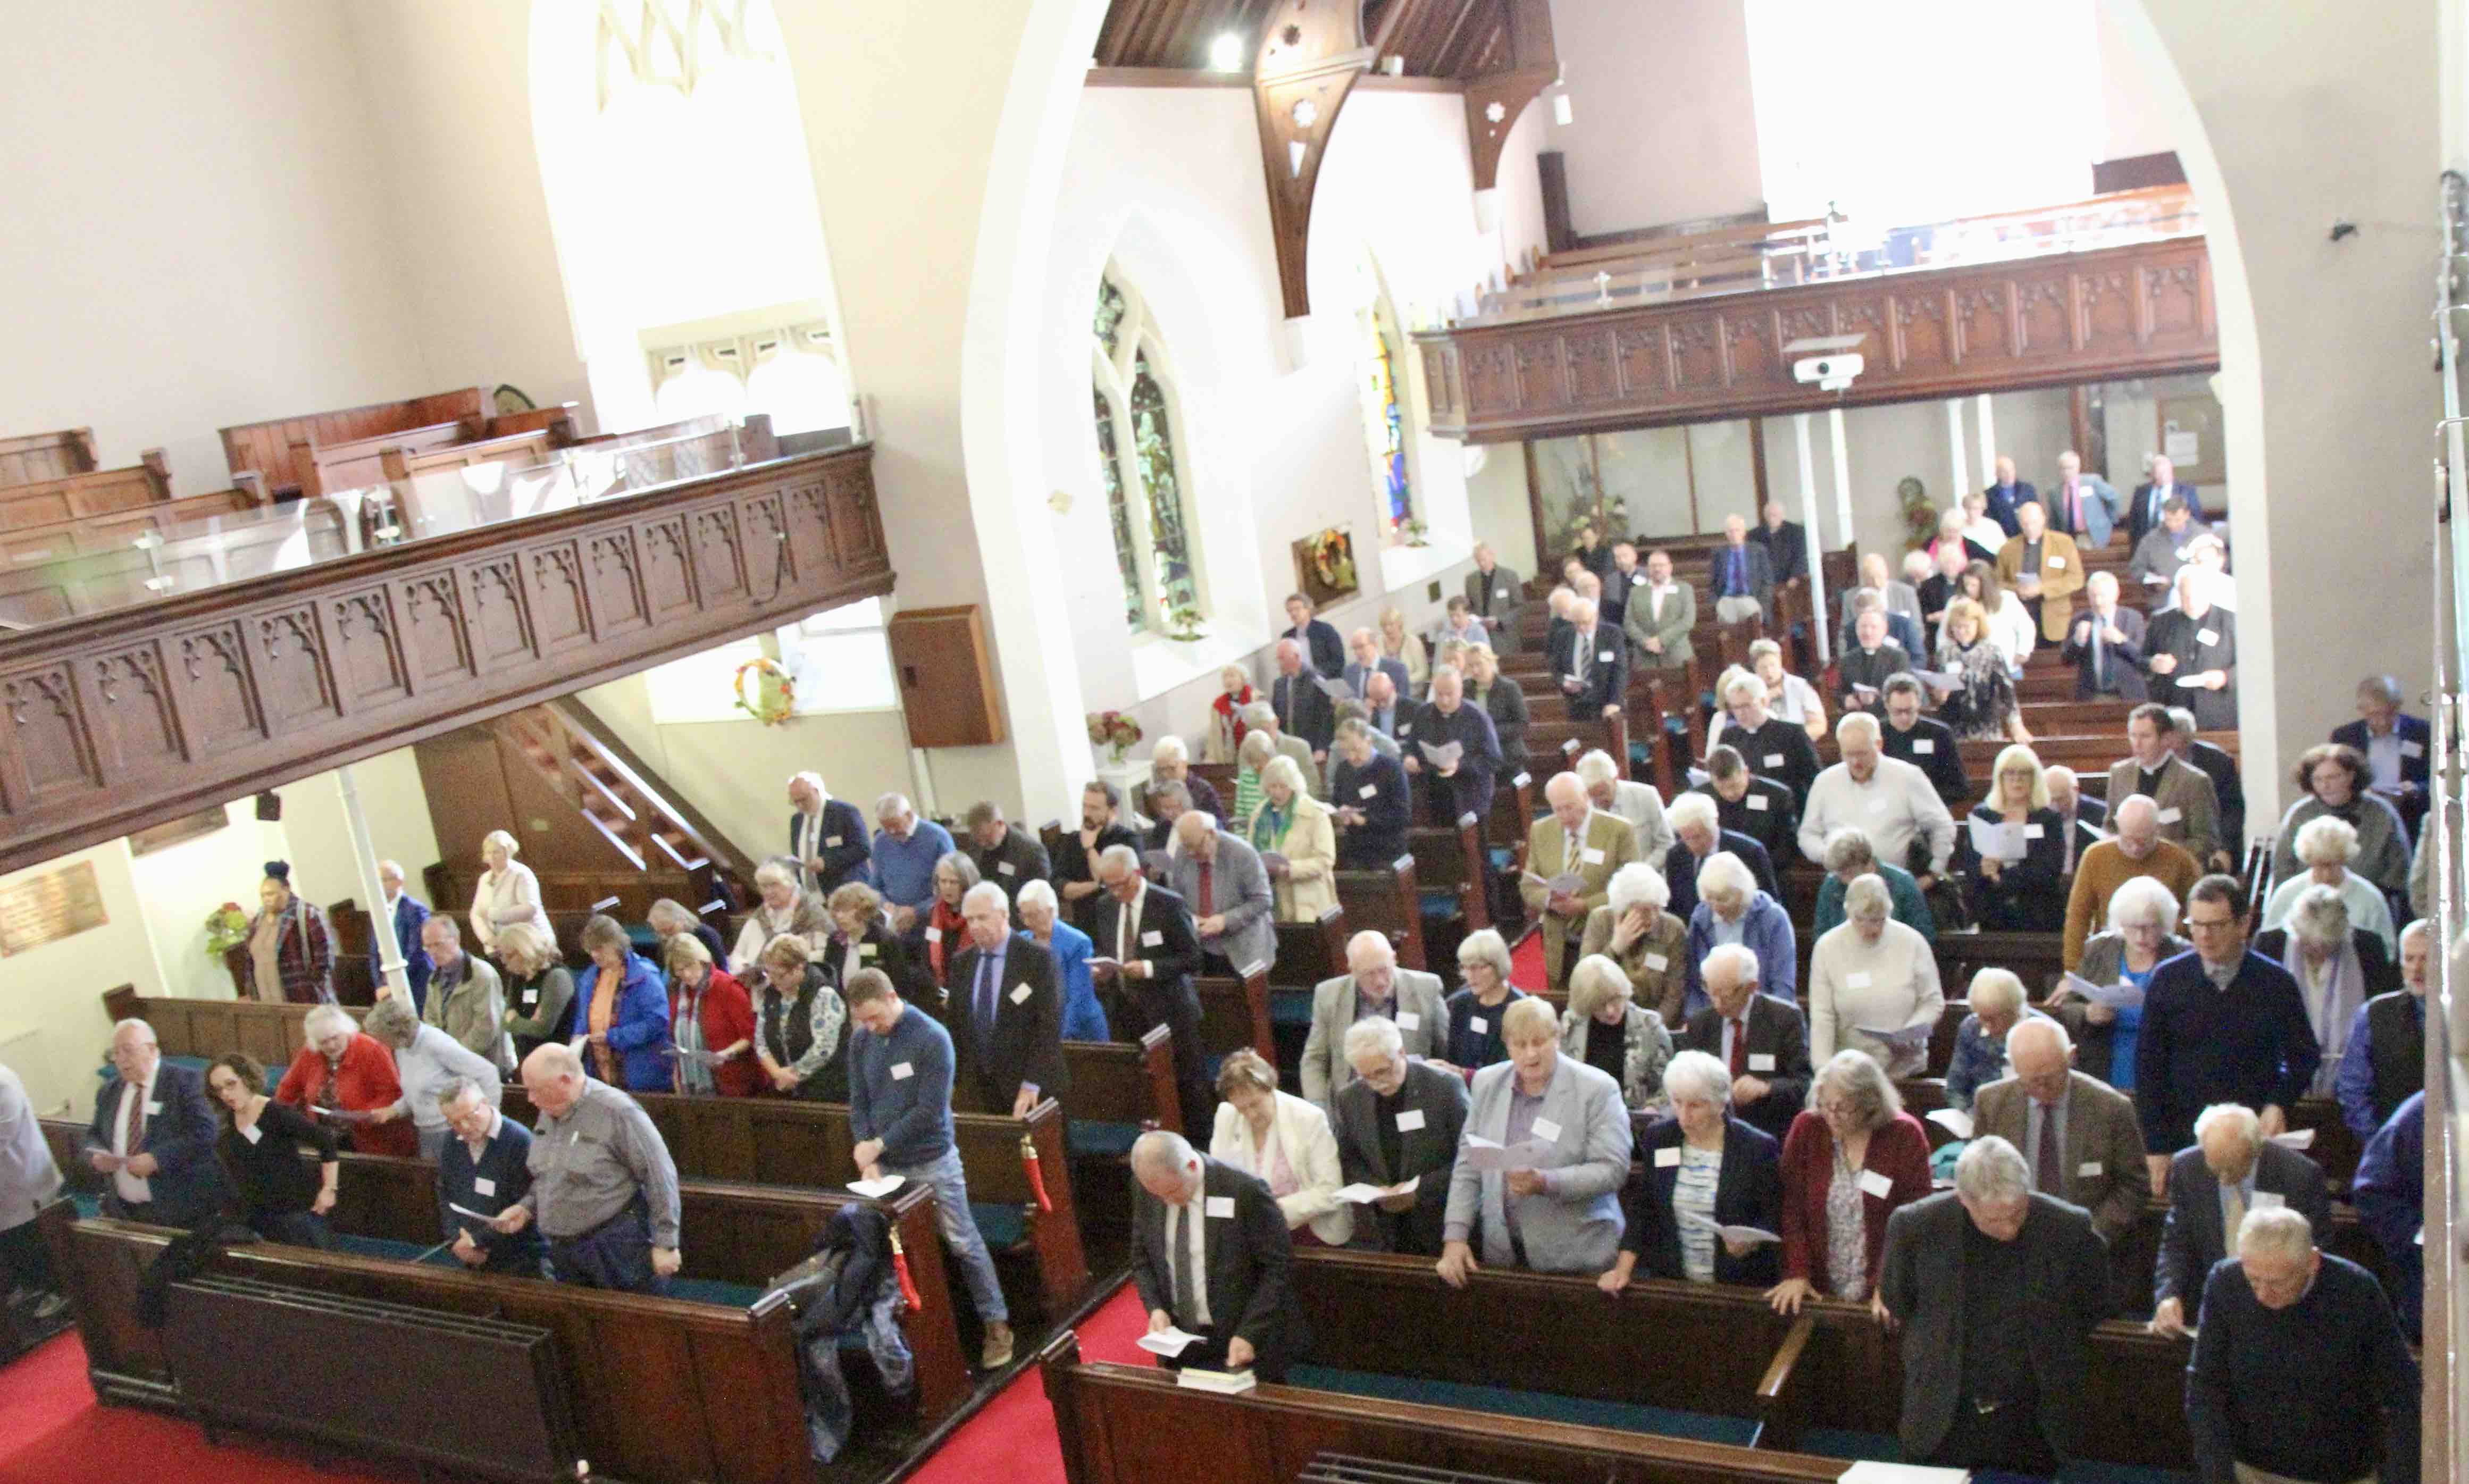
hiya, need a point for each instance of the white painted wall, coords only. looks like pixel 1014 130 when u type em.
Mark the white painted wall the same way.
pixel 1661 128
pixel 198 230
pixel 56 991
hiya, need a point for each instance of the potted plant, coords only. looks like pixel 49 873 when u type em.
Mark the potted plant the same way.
pixel 226 928
pixel 1114 731
pixel 1182 624
pixel 1415 532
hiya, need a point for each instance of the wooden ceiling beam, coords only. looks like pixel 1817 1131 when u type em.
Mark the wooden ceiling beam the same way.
pixel 1310 55
pixel 1494 102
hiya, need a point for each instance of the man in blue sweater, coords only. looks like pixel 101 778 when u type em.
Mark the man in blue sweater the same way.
pixel 900 1113
pixel 2300 1370
pixel 2389 1192
pixel 485 1168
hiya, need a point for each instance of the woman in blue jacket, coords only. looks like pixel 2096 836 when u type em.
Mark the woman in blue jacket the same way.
pixel 623 1011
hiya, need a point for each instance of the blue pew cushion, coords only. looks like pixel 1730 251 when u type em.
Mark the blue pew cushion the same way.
pixel 1290 1008
pixel 1100 1140
pixel 381 1247
pixel 1003 1226
pixel 1629 1417
pixel 1440 901
pixel 706 1290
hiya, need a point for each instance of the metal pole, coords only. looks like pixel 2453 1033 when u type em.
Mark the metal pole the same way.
pixel 1842 474
pixel 364 855
pixel 1816 543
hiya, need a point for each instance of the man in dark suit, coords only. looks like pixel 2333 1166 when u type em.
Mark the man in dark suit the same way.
pixel 1591 664
pixel 485 1167
pixel 1367 661
pixel 1923 741
pixel 1210 1256
pixel 2215 763
pixel 1742 577
pixel 1317 636
pixel 1147 952
pixel 1698 832
pixel 1006 855
pixel 1772 747
pixel 153 1136
pixel 2144 513
pixel 1075 854
pixel 1746 805
pixel 1992 1258
pixel 1005 1012
pixel 1760 1037
pixel 2384 1063
pixel 2006 494
pixel 2222 1024
pixel 827 835
pixel 2231 1169
pixel 2399 749
pixel 409 914
pixel 1302 707
pixel 1494 595
pixel 1397 1121
pixel 1465 788
pixel 1625 579
pixel 2105 644
pixel 1786 544
pixel 2085 819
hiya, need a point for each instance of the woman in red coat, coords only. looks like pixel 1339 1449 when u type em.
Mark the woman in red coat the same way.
pixel 345 1071
pixel 712 1021
pixel 1848 1162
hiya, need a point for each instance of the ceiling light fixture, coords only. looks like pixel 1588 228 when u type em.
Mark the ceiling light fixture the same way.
pixel 1226 53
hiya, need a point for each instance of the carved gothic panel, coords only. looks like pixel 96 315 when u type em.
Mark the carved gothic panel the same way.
pixel 2107 300
pixel 857 524
pixel 1645 358
pixel 2040 310
pixel 1593 375
pixel 561 604
pixel 613 571
pixel 436 645
pixel 215 689
pixel 719 555
pixel 1983 321
pixel 139 733
pixel 501 625
pixel 1490 379
pixel 1542 386
pixel 764 521
pixel 2176 294
pixel 1439 387
pixel 368 652
pixel 1920 328
pixel 299 687
pixel 1750 347
pixel 668 569
pixel 810 530
pixel 1697 359
pixel 48 732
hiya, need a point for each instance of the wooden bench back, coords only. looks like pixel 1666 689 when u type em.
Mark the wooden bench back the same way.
pixel 77 496
pixel 35 457
pixel 1389 902
pixel 269 447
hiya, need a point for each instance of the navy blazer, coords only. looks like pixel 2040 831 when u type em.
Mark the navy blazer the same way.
pixel 505 1164
pixel 2251 1044
pixel 409 917
pixel 1026 1043
pixel 843 863
pixel 2416 770
pixel 1321 645
pixel 1748 1192
pixel 1606 678
pixel 2001 505
pixel 180 1132
pixel 1302 710
pixel 2141 518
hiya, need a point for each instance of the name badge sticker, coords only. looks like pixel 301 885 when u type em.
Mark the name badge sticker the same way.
pixel 1020 996
pixel 2413 750
pixel 1408 1020
pixel 1153 939
pixel 902 1071
pixel 933 935
pixel 1774 759
pixel 1547 1130
pixel 2206 636
pixel 1762 1061
pixel 2266 1201
pixel 1007 868
pixel 1924 747
pixel 154 1105
pixel 1874 1183
pixel 480 1187
pixel 1411 1120
pixel 1657 963
pixel 1857 981
pixel 1367 791
pixel 1220 1208
pixel 831 842
pixel 1480 1027
pixel 2035 832
pixel 2088 1170
pixel 2172 814
pixel 1668 1158
pixel 1591 856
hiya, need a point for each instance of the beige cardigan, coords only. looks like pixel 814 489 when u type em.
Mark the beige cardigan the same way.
pixel 1311 849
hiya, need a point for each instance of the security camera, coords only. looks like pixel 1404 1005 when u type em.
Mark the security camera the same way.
pixel 1828 373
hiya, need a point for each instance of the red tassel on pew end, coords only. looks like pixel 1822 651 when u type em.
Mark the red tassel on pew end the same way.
pixel 900 1267
pixel 1036 1176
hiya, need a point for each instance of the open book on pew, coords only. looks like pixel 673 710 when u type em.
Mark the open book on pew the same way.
pixel 2117 996
pixel 1361 1195
pixel 1207 1379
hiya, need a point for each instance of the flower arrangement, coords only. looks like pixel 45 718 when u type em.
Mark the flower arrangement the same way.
pixel 1114 730
pixel 1182 624
pixel 1413 532
pixel 1920 517
pixel 226 928
pixel 776 692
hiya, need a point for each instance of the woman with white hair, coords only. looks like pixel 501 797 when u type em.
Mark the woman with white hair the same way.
pixel 1998 1005
pixel 1649 944
pixel 1634 802
pixel 1788 695
pixel 1251 759
pixel 1703 1169
pixel 344 1070
pixel 1226 726
pixel 426 1060
pixel 786 907
pixel 2143 936
pixel 1731 909
pixel 1297 843
pixel 508 890
pixel 1849 1162
pixel 2326 845
pixel 1084 1018
pixel 2338 967
pixel 1607 1029
pixel 2019 887
pixel 1873 985
pixel 1477 1007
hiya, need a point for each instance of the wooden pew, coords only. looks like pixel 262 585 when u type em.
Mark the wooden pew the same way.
pixel 668 1432
pixel 98 492
pixel 1555 747
pixel 275 448
pixel 1309 952
pixel 1389 902
pixel 113 530
pixel 1450 859
pixel 741 1235
pixel 271 1033
pixel 35 457
pixel 1716 1349
pixel 1121 1084
pixel 358 463
pixel 1234 1012
pixel 36 592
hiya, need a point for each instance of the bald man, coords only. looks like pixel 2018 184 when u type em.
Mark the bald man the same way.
pixel 604 1189
pixel 2077 1134
pixel 1211 1258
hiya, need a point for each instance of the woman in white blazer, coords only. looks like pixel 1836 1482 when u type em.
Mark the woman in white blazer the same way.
pixel 1283 1141
pixel 507 892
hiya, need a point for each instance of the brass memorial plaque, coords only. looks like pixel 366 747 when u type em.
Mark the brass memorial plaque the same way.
pixel 46 907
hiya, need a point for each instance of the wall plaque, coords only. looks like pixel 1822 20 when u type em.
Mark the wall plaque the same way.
pixel 50 906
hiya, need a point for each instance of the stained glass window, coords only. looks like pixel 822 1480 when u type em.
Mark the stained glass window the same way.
pixel 1141 466
pixel 1110 471
pixel 1388 432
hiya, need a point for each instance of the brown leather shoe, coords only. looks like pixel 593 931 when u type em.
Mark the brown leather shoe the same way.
pixel 996 1353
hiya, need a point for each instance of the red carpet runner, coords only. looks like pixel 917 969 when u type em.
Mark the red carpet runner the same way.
pixel 1013 1439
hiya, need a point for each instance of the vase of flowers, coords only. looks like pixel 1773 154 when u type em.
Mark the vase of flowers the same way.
pixel 226 928
pixel 1114 731
pixel 1182 624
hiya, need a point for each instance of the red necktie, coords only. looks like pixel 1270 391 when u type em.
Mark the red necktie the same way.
pixel 1740 1045
pixel 132 1119
pixel 1206 907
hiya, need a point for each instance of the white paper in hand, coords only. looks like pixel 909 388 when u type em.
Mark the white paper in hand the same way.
pixel 1953 1121
pixel 1994 839
pixel 876 1189
pixel 1168 1341
pixel 1363 1194
pixel 1751 1234
pixel 1443 756
pixel 2296 1139
pixel 1483 1154
pixel 469 1212
pixel 1904 1035
pixel 2116 996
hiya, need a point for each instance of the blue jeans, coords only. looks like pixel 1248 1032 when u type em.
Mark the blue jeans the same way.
pixel 959 1230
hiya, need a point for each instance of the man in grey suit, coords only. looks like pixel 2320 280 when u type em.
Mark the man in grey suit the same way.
pixel 2231 1169
pixel 1660 616
pixel 1992 1258
pixel 1211 1256
pixel 1563 1122
pixel 1227 889
pixel 1397 1121
pixel 1373 985
pixel 2078 1134
pixel 1366 661
pixel 1494 595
